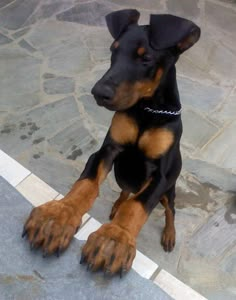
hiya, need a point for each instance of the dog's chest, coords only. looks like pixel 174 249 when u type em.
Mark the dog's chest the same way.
pixel 153 142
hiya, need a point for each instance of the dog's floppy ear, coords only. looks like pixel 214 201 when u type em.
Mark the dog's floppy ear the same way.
pixel 119 20
pixel 170 31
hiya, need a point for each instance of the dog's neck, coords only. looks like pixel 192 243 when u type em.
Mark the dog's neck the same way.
pixel 166 97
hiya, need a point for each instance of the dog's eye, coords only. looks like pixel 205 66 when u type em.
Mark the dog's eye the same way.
pixel 147 57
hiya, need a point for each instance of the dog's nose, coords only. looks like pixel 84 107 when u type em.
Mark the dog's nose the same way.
pixel 103 93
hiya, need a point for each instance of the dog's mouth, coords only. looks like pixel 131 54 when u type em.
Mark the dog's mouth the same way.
pixel 109 106
pixel 107 103
pixel 115 105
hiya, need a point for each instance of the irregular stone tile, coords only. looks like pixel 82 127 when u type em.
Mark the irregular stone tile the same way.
pixel 186 68
pixel 48 75
pixel 74 142
pixel 103 204
pixel 198 135
pixel 210 173
pixel 14 15
pixel 183 8
pixel 200 272
pixel 100 54
pixel 62 44
pixel 226 294
pixel 71 58
pixel 186 221
pixel 19 80
pixel 99 115
pixel 4 40
pixel 221 17
pixel 91 13
pixel 99 42
pixel 201 52
pixel 203 97
pixel 148 4
pixel 51 35
pixel 27 46
pixel 214 237
pixel 228 109
pixel 22 131
pixel 221 150
pixel 229 263
pixel 220 62
pixel 48 8
pixel 20 33
pixel 55 171
pixel 5 2
pixel 228 1
pixel 101 38
pixel 59 85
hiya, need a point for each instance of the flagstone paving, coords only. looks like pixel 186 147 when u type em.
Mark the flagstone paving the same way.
pixel 52 53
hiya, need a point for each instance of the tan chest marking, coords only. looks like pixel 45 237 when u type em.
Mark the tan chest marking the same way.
pixel 156 142
pixel 123 129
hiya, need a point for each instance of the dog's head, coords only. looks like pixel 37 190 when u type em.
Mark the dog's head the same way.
pixel 141 56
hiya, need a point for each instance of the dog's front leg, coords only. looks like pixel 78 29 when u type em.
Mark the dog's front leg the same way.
pixel 113 246
pixel 52 225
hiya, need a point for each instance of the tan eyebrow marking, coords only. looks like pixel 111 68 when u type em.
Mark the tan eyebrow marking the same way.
pixel 141 51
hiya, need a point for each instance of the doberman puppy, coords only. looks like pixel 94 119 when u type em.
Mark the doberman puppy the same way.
pixel 142 143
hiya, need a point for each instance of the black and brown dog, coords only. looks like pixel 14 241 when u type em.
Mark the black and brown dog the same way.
pixel 142 143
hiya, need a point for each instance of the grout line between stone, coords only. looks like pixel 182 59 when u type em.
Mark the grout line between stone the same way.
pixel 24 179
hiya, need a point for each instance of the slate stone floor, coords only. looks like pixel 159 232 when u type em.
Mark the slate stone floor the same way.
pixel 51 54
pixel 26 275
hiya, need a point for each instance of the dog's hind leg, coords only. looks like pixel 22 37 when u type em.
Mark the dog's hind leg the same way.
pixel 168 235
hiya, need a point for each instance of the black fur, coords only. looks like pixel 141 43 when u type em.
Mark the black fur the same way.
pixel 164 40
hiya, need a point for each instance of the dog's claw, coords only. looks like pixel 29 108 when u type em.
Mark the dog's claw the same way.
pixel 122 272
pixel 45 253
pixel 58 252
pixel 31 246
pixel 89 266
pixel 82 259
pixel 24 233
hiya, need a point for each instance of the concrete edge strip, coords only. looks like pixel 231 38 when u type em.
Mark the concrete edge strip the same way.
pixel 27 184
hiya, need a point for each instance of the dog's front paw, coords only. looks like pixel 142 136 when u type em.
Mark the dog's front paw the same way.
pixel 51 226
pixel 110 248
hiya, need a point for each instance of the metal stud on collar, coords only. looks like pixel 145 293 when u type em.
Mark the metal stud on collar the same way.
pixel 163 112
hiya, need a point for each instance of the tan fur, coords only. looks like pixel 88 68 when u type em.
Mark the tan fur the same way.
pixel 147 88
pixel 141 51
pixel 168 235
pixel 84 192
pixel 156 142
pixel 123 129
pixel 131 216
pixel 127 94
